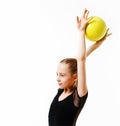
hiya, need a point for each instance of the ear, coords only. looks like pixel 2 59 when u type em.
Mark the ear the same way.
pixel 75 77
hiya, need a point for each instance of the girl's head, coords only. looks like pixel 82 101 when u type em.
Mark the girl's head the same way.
pixel 72 64
pixel 67 73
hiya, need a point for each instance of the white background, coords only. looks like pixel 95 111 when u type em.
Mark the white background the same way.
pixel 34 36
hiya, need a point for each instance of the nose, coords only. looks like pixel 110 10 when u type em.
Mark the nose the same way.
pixel 58 78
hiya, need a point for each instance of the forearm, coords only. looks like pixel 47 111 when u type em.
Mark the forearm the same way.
pixel 81 46
pixel 92 48
pixel 81 87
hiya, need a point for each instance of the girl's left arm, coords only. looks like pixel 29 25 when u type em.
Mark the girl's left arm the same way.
pixel 97 44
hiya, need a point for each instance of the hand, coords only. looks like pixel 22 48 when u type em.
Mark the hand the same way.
pixel 83 21
pixel 106 35
pixel 97 44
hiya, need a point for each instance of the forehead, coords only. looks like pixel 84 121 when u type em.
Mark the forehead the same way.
pixel 62 67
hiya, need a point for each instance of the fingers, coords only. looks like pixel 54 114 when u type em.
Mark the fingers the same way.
pixel 90 18
pixel 78 20
pixel 108 34
pixel 85 13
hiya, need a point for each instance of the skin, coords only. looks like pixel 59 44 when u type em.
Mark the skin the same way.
pixel 64 77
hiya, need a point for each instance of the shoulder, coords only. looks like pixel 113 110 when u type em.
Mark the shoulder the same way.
pixel 77 95
pixel 78 101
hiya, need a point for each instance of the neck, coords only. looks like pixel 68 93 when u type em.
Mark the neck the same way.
pixel 69 90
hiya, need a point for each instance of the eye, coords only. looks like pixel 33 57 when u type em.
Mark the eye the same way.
pixel 62 75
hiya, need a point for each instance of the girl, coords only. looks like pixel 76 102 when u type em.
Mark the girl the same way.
pixel 71 78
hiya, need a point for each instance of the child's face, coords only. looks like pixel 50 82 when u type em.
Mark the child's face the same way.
pixel 65 78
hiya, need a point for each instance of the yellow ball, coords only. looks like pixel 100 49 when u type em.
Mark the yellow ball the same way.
pixel 96 29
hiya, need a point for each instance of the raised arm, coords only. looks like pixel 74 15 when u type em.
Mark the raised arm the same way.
pixel 81 54
pixel 97 44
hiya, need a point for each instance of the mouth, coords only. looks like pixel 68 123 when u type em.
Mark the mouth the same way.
pixel 59 84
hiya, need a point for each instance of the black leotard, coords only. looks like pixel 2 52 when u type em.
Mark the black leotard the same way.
pixel 65 112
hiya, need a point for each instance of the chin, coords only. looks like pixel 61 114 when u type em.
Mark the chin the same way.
pixel 61 87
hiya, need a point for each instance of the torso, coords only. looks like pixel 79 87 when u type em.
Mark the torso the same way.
pixel 64 96
pixel 63 111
